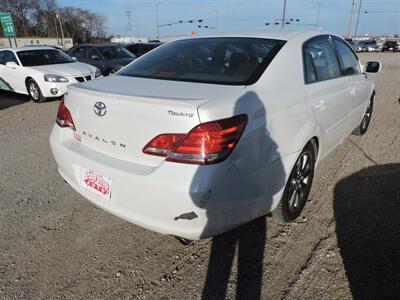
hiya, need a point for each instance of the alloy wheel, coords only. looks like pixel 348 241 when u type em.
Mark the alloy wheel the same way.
pixel 300 182
pixel 34 91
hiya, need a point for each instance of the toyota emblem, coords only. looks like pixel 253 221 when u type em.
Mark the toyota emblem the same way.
pixel 100 109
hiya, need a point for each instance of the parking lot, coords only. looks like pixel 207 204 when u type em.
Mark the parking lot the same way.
pixel 55 244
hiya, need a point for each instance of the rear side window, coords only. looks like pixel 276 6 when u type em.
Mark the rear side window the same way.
pixel 324 59
pixel 311 75
pixel 10 57
pixel 2 57
pixel 348 58
pixel 231 61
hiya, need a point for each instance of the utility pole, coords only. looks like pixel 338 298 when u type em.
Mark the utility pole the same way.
pixel 318 14
pixel 358 18
pixel 284 14
pixel 157 3
pixel 56 27
pixel 351 18
pixel 129 26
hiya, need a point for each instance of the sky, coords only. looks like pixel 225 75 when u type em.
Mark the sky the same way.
pixel 241 15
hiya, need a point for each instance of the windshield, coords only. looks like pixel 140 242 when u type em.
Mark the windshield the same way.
pixel 30 58
pixel 231 61
pixel 115 52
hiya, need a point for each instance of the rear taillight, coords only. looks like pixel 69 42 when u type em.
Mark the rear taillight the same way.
pixel 64 118
pixel 162 144
pixel 207 143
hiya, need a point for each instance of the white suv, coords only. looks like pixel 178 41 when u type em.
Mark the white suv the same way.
pixel 204 134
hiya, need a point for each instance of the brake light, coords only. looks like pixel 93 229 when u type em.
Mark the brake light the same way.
pixel 64 118
pixel 207 143
pixel 162 144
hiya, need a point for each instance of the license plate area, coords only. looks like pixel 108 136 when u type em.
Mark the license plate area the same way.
pixel 96 183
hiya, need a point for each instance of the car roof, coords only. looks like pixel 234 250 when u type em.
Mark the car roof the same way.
pixel 278 34
pixel 26 48
pixel 96 45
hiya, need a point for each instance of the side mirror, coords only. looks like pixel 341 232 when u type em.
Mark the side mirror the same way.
pixel 95 57
pixel 373 67
pixel 12 65
pixel 74 58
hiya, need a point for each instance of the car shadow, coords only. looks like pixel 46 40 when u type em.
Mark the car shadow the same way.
pixel 10 99
pixel 367 213
pixel 256 164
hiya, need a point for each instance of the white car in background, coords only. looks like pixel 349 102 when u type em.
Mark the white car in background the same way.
pixel 204 134
pixel 41 72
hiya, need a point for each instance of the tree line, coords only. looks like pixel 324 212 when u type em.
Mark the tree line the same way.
pixel 41 18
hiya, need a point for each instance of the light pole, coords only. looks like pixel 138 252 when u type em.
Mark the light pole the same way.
pixel 318 14
pixel 158 26
pixel 62 32
pixel 284 14
pixel 216 17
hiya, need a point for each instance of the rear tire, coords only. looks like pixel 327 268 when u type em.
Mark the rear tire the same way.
pixel 363 127
pixel 297 187
pixel 34 92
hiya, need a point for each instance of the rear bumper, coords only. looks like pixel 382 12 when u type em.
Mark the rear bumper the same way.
pixel 214 198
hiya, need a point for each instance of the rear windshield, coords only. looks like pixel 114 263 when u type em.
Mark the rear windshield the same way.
pixel 231 61
pixel 30 58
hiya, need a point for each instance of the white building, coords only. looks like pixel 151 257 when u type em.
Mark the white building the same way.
pixel 127 40
pixel 29 41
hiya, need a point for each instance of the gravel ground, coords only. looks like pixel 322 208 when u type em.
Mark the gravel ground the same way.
pixel 55 244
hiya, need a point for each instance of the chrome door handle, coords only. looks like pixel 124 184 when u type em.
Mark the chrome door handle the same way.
pixel 321 105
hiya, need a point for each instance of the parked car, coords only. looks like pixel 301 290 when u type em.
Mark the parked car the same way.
pixel 390 46
pixel 367 46
pixel 204 134
pixel 138 49
pixel 108 58
pixel 41 72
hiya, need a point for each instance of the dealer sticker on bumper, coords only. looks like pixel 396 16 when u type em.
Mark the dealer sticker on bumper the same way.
pixel 96 183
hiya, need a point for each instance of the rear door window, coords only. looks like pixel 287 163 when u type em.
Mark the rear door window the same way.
pixel 349 60
pixel 324 59
pixel 79 52
pixel 91 53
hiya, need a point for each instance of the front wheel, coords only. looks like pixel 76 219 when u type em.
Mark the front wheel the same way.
pixel 363 127
pixel 297 187
pixel 34 91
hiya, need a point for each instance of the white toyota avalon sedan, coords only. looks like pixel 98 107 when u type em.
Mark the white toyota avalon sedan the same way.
pixel 204 134
pixel 41 72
